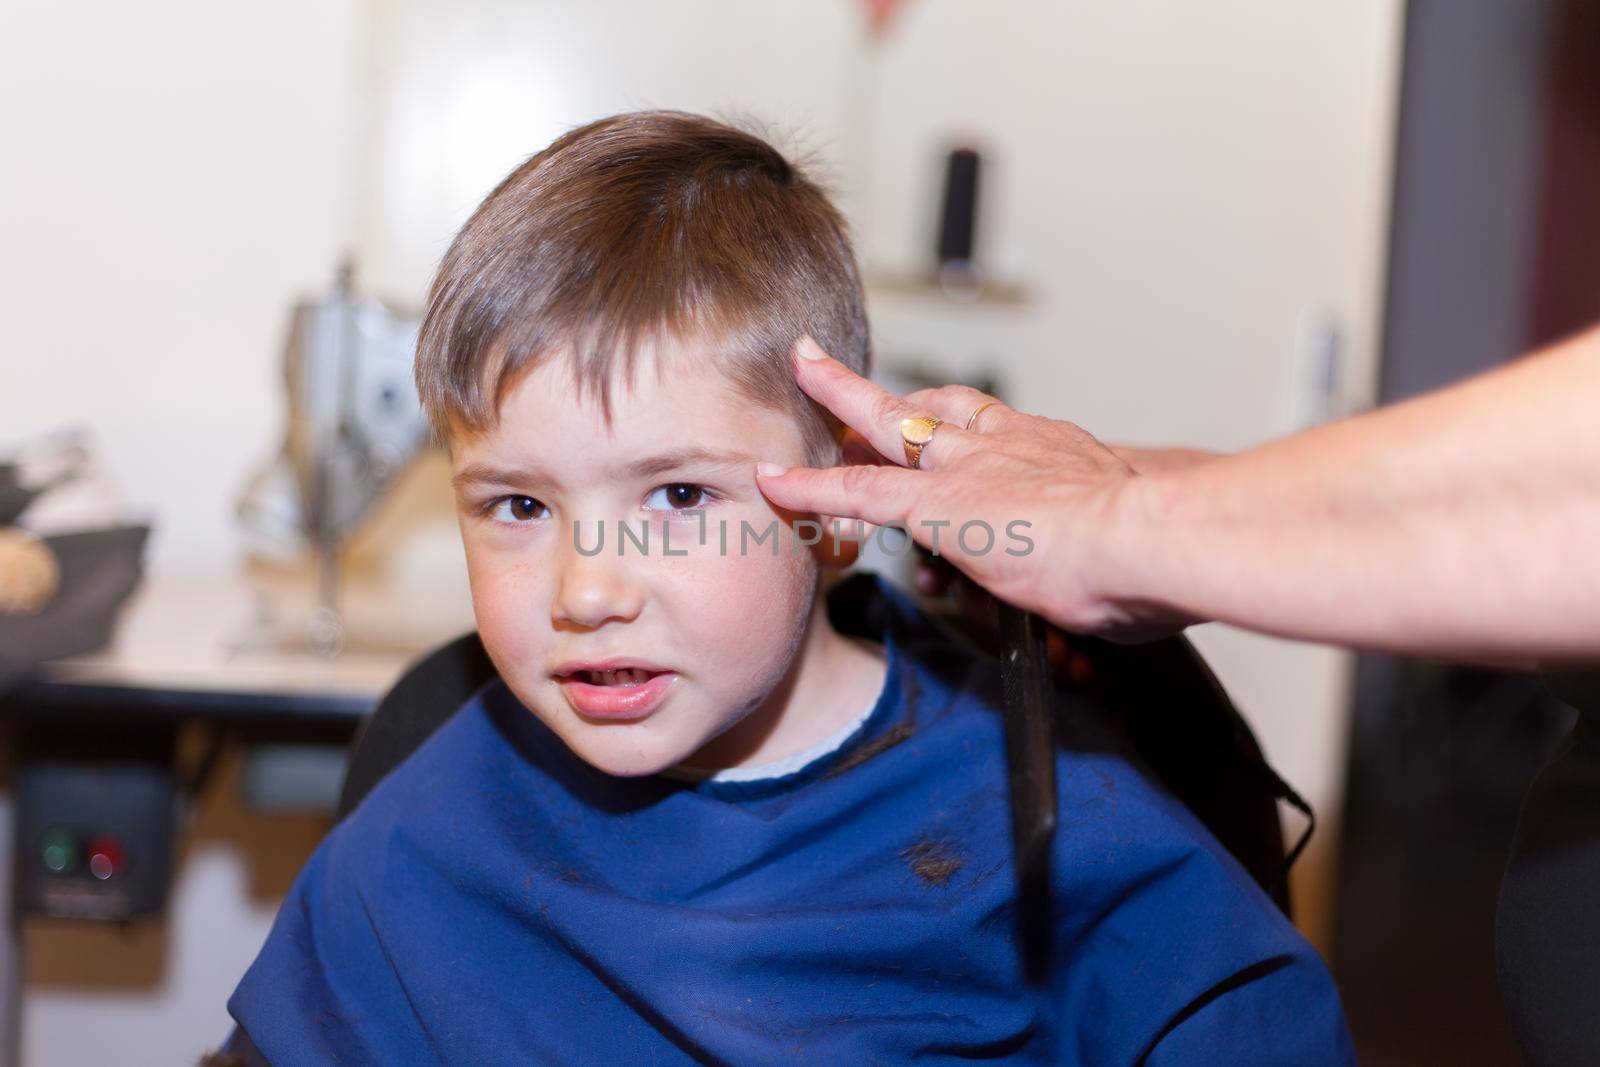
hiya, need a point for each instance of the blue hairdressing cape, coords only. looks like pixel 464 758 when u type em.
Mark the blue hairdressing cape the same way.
pixel 495 900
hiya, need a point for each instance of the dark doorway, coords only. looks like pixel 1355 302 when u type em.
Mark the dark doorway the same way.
pixel 1495 250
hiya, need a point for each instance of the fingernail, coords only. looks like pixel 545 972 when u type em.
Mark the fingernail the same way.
pixel 769 470
pixel 809 349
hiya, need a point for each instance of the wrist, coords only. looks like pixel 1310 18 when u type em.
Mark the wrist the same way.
pixel 1127 577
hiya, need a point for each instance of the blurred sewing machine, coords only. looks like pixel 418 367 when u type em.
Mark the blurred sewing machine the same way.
pixel 354 424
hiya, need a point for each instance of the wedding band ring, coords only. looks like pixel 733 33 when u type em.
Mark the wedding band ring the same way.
pixel 979 411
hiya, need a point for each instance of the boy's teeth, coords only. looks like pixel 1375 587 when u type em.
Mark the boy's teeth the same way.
pixel 625 676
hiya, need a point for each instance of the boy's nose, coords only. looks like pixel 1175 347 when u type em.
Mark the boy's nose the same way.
pixel 593 589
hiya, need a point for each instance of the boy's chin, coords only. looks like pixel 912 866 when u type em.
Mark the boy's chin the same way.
pixel 629 768
pixel 621 761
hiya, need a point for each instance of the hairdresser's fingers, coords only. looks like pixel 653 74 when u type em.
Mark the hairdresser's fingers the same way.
pixel 878 495
pixel 957 404
pixel 869 409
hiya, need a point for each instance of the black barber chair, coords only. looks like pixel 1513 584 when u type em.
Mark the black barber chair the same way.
pixel 1175 714
pixel 419 703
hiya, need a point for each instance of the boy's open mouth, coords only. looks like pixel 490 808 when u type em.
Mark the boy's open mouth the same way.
pixel 616 689
pixel 628 677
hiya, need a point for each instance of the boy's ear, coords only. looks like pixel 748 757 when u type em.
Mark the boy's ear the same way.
pixel 840 544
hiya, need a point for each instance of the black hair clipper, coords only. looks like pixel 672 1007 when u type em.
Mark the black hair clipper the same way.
pixel 1030 755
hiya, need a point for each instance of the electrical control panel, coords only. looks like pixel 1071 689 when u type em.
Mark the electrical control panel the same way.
pixel 95 828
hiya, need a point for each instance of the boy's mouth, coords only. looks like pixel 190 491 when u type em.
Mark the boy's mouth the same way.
pixel 629 676
pixel 615 689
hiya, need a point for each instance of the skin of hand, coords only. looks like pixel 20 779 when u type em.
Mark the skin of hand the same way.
pixel 1161 460
pixel 1022 476
pixel 1463 524
pixel 937 576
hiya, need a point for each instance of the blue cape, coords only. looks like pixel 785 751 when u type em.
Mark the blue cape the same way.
pixel 496 900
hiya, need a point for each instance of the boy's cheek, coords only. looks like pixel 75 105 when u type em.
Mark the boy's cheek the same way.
pixel 740 593
pixel 486 567
pixel 505 595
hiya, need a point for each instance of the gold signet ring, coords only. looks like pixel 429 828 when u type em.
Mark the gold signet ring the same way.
pixel 916 432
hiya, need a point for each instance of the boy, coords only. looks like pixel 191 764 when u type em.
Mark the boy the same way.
pixel 707 814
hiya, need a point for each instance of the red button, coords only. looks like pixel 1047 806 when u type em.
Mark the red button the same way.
pixel 106 857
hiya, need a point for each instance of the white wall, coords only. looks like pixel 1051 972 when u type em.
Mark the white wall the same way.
pixel 1177 183
pixel 466 91
pixel 173 173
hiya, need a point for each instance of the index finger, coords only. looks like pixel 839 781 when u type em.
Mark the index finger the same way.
pixel 878 495
pixel 866 407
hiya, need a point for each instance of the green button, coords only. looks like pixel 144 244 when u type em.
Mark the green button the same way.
pixel 60 852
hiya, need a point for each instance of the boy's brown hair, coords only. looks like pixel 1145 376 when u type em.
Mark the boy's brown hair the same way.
pixel 639 228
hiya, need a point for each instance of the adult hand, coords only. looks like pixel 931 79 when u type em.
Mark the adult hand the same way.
pixel 1023 505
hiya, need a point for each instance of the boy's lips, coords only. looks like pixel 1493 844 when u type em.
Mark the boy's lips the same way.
pixel 615 688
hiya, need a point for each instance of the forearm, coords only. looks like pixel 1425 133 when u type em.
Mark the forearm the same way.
pixel 1465 523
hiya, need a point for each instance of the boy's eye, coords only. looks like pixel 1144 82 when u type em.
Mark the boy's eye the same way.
pixel 679 496
pixel 516 509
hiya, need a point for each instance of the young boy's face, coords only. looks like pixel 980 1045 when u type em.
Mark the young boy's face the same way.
pixel 709 632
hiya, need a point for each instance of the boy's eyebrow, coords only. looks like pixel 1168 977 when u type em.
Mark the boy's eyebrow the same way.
pixel 677 459
pixel 649 467
pixel 483 474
